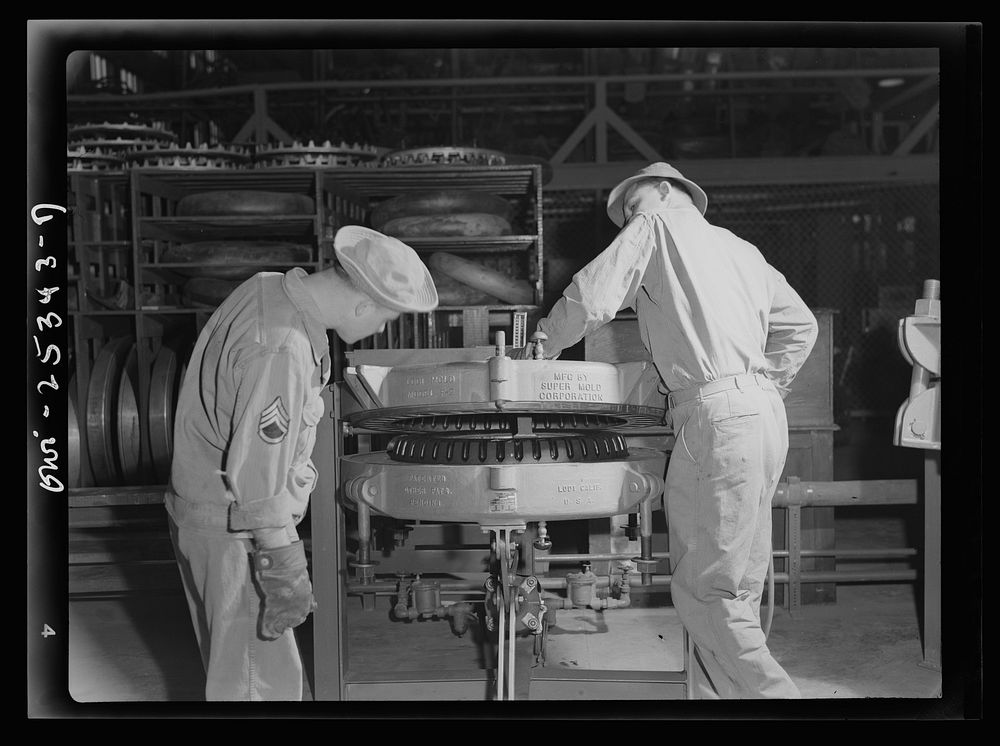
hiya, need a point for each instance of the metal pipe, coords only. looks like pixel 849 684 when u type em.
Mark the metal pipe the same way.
pixel 853 553
pixel 510 647
pixel 364 533
pixel 846 492
pixel 454 588
pixel 356 589
pixel 500 652
pixel 566 559
pixel 832 576
pixel 646 536
pixel 850 576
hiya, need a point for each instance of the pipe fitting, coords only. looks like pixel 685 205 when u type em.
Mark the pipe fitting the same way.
pixel 460 615
pixel 581 587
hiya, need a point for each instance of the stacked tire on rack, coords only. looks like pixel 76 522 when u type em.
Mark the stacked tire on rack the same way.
pixel 219 266
pixel 455 214
pixel 106 430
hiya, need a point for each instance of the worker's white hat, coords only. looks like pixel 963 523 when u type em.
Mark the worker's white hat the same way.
pixel 386 269
pixel 616 210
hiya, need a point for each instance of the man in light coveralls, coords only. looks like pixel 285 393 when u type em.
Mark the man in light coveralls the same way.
pixel 727 335
pixel 244 431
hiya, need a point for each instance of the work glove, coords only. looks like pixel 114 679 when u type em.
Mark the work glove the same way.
pixel 283 577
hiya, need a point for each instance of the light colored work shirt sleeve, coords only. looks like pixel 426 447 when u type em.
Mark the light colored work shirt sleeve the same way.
pixel 607 285
pixel 791 334
pixel 265 440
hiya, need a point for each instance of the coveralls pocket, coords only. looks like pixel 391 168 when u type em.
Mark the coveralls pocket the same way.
pixel 681 446
pixel 302 475
pixel 685 422
pixel 312 413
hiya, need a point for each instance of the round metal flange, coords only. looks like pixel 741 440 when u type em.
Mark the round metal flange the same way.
pixel 298 155
pixel 424 449
pixel 501 416
pixel 102 406
pixel 201 157
pixel 81 159
pixel 164 386
pixel 120 130
pixel 443 156
pixel 73 439
pixel 117 145
pixel 128 425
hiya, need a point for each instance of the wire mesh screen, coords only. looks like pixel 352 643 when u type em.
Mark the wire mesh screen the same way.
pixel 862 250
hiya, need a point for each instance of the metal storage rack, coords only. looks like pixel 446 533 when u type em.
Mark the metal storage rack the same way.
pixel 99 258
pixel 350 194
pixel 130 304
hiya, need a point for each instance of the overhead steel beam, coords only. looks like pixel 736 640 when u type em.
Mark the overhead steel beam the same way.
pixel 260 124
pixel 923 127
pixel 511 81
pixel 736 171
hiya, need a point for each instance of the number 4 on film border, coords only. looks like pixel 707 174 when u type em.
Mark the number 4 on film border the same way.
pixel 47 631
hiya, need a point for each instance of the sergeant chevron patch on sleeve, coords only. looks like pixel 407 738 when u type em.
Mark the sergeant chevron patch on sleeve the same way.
pixel 273 425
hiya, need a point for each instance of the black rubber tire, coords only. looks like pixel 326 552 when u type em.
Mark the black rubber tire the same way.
pixel 439 202
pixel 245 202
pixel 222 259
pixel 425 449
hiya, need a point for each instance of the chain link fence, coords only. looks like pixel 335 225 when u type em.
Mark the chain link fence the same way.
pixel 861 249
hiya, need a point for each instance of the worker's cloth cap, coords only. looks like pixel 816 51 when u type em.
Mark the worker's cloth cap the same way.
pixel 654 170
pixel 386 269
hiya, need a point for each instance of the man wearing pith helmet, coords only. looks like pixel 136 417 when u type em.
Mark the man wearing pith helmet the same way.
pixel 244 431
pixel 727 335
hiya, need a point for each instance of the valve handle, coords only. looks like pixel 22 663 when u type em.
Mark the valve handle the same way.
pixel 538 351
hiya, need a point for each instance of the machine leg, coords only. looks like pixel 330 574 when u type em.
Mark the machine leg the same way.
pixel 506 592
pixel 932 560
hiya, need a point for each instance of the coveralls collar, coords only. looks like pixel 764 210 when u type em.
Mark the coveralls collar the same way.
pixel 315 328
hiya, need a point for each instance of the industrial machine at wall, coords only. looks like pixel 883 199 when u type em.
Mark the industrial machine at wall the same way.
pixel 502 443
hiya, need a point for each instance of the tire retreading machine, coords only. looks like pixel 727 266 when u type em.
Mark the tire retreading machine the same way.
pixel 502 443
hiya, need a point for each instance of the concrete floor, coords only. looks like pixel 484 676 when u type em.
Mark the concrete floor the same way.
pixel 866 645
pixel 140 648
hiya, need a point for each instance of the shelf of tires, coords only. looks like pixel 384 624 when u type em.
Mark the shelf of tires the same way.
pixel 478 228
pixel 154 251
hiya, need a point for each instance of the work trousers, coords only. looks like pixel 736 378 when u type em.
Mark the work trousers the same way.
pixel 225 604
pixel 730 448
